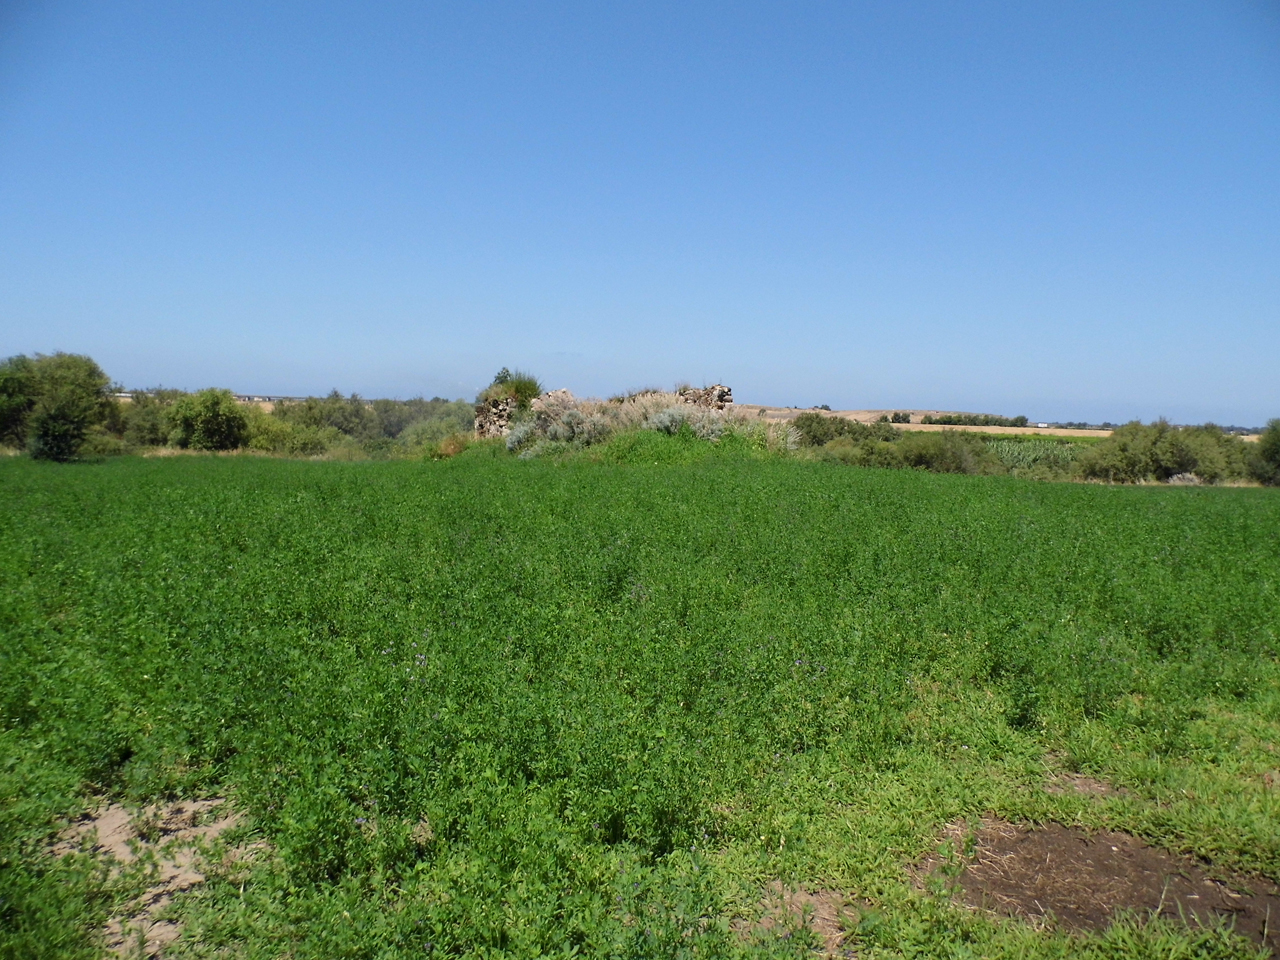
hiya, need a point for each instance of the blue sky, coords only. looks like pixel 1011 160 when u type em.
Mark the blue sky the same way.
pixel 1067 210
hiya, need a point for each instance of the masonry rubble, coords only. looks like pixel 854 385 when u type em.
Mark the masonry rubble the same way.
pixel 493 416
pixel 715 396
pixel 553 401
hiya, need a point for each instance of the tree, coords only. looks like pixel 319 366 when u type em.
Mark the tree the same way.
pixel 1266 457
pixel 67 395
pixel 208 420
pixel 17 397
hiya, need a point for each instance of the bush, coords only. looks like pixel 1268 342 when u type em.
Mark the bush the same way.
pixel 144 420
pixel 17 397
pixel 208 420
pixel 519 386
pixel 1160 451
pixel 816 430
pixel 352 416
pixel 949 451
pixel 271 434
pixel 69 396
pixel 974 420
pixel 1264 464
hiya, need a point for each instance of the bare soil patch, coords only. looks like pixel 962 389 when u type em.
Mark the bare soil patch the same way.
pixel 785 908
pixel 1082 881
pixel 1066 783
pixel 169 836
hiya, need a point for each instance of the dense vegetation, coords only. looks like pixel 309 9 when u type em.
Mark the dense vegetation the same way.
pixel 974 420
pixel 485 707
pixel 49 404
pixel 1134 453
pixel 61 407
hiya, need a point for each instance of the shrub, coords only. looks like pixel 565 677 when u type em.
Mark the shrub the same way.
pixel 352 416
pixel 816 430
pixel 900 418
pixel 948 451
pixel 144 420
pixel 863 453
pixel 974 420
pixel 1160 451
pixel 518 385
pixel 270 434
pixel 70 394
pixel 17 397
pixel 208 420
pixel 1264 464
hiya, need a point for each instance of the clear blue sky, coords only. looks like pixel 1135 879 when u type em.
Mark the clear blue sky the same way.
pixel 1067 210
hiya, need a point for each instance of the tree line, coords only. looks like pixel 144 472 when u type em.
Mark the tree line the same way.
pixel 62 406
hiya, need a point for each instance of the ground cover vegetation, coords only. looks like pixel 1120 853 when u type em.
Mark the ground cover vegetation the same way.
pixel 1134 453
pixel 598 705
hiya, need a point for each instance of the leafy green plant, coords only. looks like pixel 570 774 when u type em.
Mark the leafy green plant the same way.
pixel 68 397
pixel 1265 462
pixel 973 420
pixel 208 420
pixel 518 385
pixel 597 705
pixel 1159 451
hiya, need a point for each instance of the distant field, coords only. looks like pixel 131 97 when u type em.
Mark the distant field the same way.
pixel 501 708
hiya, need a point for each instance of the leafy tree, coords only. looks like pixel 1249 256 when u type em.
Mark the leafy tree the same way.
pixel 17 397
pixel 208 420
pixel 352 415
pixel 144 420
pixel 1265 465
pixel 68 395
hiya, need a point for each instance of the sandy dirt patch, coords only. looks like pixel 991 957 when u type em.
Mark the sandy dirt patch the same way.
pixel 170 836
pixel 825 912
pixel 1082 881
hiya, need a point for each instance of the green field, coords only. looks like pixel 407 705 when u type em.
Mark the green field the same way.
pixel 625 698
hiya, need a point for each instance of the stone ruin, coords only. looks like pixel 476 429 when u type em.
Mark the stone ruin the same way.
pixel 493 416
pixel 556 401
pixel 715 396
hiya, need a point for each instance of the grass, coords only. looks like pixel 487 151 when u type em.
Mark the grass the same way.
pixel 489 707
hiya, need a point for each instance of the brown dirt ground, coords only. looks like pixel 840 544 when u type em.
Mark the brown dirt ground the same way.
pixel 785 908
pixel 173 834
pixel 1082 880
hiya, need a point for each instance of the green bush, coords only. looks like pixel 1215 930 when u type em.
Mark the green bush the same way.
pixel 1138 452
pixel 974 420
pixel 144 420
pixel 69 395
pixel 517 385
pixel 816 430
pixel 17 397
pixel 949 451
pixel 271 434
pixel 1264 462
pixel 208 420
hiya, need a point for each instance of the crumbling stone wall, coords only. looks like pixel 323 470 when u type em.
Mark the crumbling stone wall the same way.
pixel 714 396
pixel 493 417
